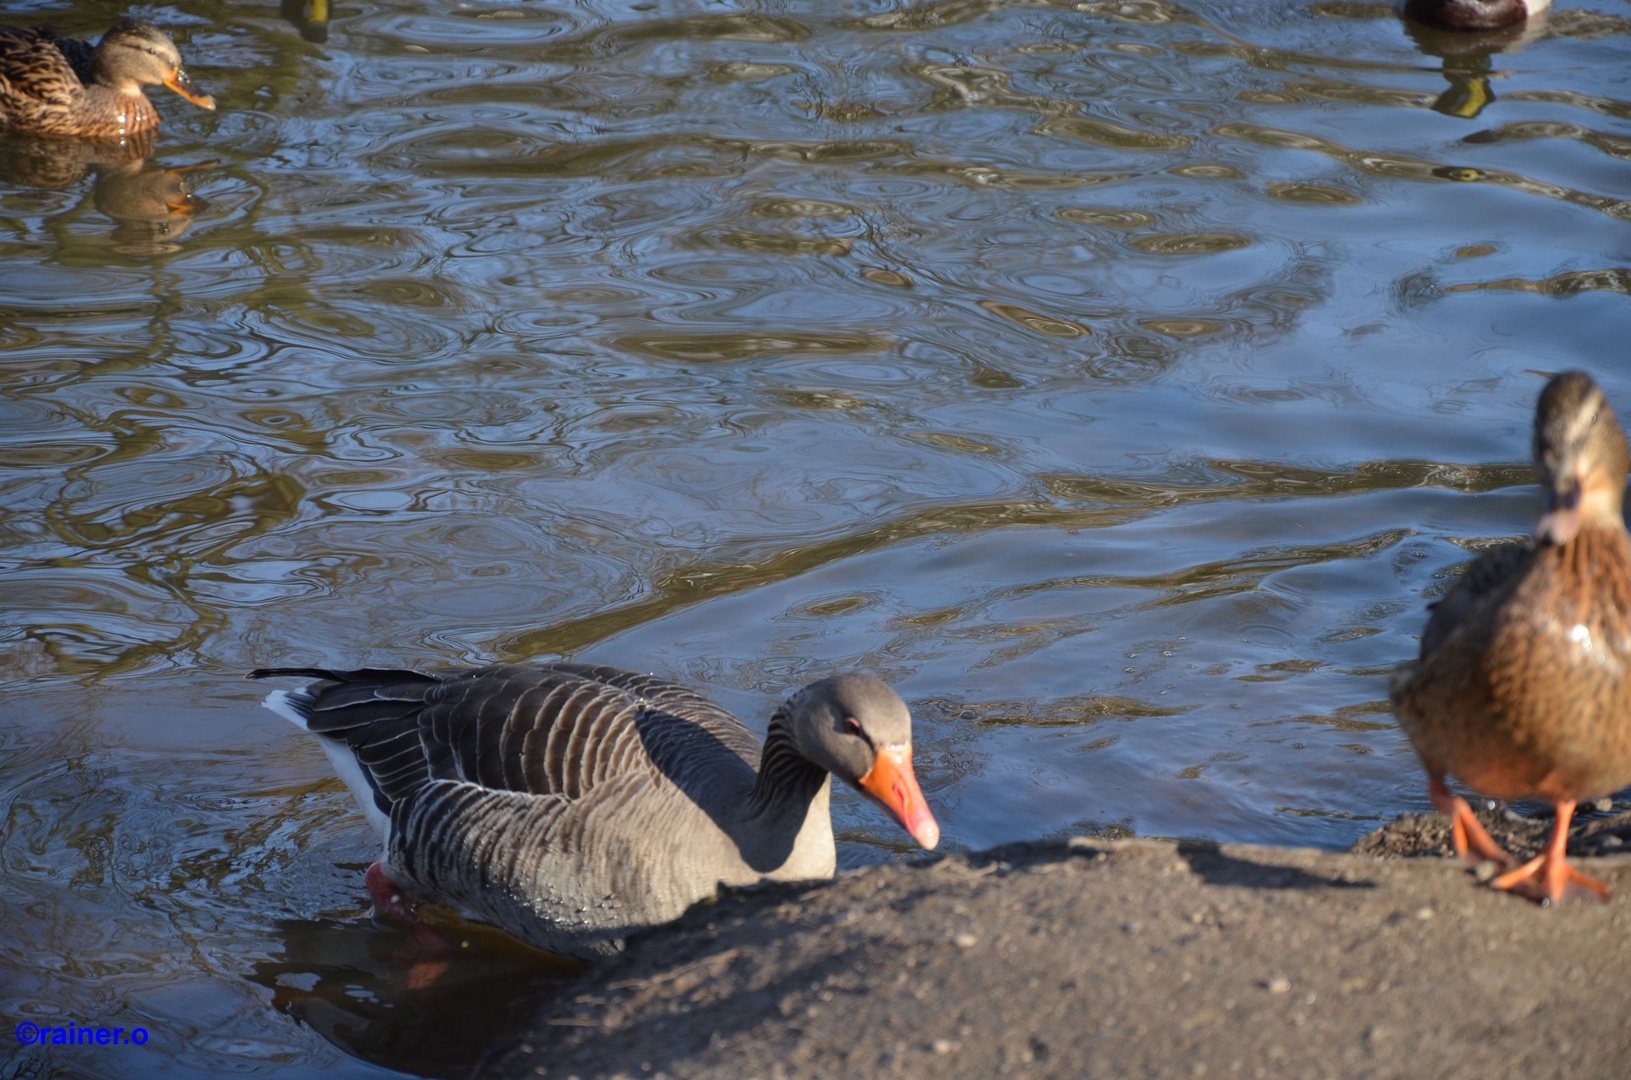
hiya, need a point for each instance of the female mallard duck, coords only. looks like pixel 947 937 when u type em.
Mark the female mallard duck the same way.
pixel 51 85
pixel 573 804
pixel 1523 688
pixel 1473 14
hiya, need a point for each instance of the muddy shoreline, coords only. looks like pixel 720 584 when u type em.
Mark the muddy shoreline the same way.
pixel 1120 958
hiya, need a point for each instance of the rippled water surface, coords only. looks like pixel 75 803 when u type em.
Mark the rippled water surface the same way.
pixel 1118 380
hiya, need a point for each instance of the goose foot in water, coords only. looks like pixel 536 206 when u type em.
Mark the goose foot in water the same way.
pixel 387 898
pixel 1472 843
pixel 1547 876
pixel 389 901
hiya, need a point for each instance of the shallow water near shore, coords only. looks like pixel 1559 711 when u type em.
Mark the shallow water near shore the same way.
pixel 1117 380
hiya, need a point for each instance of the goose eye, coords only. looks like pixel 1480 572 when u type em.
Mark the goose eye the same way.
pixel 852 725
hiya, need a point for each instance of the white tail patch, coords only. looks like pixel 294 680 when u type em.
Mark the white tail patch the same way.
pixel 278 701
pixel 344 762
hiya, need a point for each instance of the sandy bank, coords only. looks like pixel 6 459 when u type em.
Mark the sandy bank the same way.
pixel 1114 958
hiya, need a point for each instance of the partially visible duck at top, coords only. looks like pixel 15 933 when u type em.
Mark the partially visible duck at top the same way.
pixel 1473 14
pixel 52 85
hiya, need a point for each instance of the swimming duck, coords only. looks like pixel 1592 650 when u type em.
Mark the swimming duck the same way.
pixel 1523 687
pixel 52 85
pixel 1473 14
pixel 573 804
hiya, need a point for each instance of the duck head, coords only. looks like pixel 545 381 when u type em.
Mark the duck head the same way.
pixel 135 54
pixel 1580 459
pixel 859 730
pixel 1473 14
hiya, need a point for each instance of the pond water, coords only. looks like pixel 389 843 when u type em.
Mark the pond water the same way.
pixel 1117 379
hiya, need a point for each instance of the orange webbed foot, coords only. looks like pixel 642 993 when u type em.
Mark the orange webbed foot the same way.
pixel 1551 880
pixel 1472 842
pixel 1548 876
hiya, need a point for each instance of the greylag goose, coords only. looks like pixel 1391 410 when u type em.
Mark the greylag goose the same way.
pixel 1473 14
pixel 573 804
pixel 52 85
pixel 1522 688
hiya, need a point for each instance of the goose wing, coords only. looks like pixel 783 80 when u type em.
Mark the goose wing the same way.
pixel 552 730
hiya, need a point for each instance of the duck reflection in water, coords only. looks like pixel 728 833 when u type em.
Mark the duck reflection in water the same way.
pixel 1466 54
pixel 310 17
pixel 150 204
pixel 410 1002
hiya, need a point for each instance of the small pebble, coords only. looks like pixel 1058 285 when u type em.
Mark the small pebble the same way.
pixel 943 1046
pixel 1425 913
pixel 1486 871
pixel 1604 805
pixel 965 941
pixel 1612 841
pixel 1279 984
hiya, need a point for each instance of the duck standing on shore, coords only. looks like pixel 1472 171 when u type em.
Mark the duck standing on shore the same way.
pixel 573 804
pixel 52 85
pixel 1523 687
pixel 1473 14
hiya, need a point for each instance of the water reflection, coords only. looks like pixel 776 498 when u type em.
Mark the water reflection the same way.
pixel 310 17
pixel 1466 57
pixel 379 994
pixel 151 204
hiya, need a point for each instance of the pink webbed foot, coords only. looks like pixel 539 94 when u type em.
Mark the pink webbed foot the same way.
pixel 388 900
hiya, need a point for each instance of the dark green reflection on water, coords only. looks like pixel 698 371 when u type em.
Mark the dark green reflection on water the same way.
pixel 378 993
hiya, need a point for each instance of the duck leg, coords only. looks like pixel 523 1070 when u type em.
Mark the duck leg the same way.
pixel 1548 876
pixel 1472 843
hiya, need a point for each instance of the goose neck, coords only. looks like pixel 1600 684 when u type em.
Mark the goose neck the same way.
pixel 787 779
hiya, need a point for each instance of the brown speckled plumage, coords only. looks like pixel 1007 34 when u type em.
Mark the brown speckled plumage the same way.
pixel 573 804
pixel 52 85
pixel 1523 686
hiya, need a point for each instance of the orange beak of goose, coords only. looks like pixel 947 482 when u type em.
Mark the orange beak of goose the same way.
pixel 183 85
pixel 892 785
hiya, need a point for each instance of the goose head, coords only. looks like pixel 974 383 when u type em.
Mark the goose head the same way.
pixel 136 54
pixel 1580 459
pixel 859 730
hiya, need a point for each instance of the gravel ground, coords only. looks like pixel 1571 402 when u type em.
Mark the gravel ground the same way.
pixel 1127 958
pixel 1594 831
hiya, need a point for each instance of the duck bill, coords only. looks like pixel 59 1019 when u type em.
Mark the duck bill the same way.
pixel 1559 519
pixel 892 785
pixel 183 85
